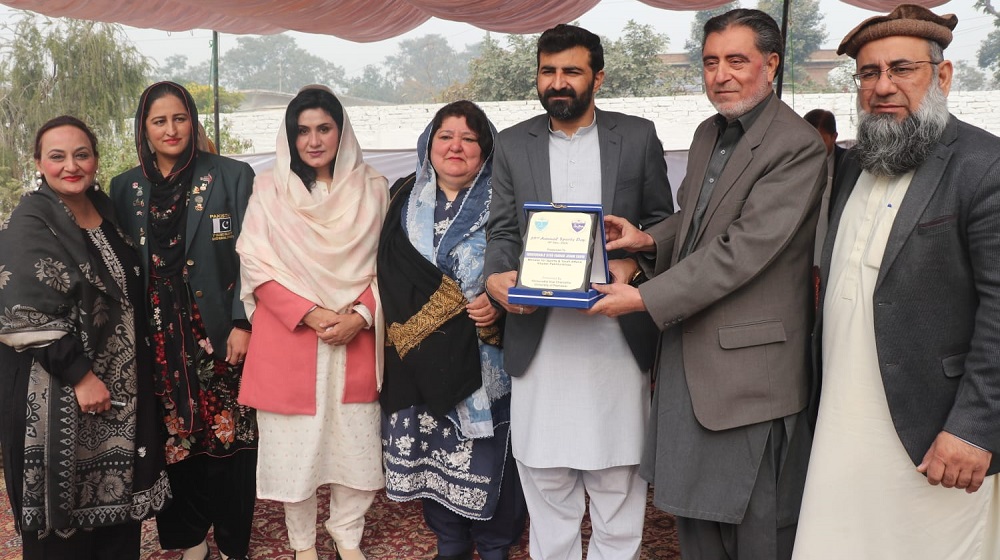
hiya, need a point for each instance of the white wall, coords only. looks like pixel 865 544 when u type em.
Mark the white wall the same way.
pixel 397 126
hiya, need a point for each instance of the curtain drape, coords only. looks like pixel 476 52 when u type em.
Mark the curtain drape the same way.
pixel 356 20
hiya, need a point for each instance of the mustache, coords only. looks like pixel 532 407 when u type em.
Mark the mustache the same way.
pixel 564 92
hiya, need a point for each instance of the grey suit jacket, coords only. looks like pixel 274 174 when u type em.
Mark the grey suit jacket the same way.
pixel 634 185
pixel 215 215
pixel 743 296
pixel 937 298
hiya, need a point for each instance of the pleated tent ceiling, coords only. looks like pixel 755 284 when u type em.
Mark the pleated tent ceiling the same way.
pixel 362 21
pixel 356 20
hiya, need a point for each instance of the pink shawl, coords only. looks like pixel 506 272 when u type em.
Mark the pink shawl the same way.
pixel 323 252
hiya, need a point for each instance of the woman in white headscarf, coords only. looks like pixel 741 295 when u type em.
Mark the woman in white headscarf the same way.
pixel 308 282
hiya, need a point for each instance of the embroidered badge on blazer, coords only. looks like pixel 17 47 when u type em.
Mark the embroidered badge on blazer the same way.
pixel 222 227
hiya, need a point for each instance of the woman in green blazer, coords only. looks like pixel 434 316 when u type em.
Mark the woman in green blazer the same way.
pixel 183 207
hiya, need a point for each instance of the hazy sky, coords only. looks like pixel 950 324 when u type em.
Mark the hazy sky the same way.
pixel 607 19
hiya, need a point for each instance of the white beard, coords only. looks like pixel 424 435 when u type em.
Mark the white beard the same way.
pixel 889 148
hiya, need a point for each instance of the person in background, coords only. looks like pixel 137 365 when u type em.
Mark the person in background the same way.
pixel 446 423
pixel 184 208
pixel 580 387
pixel 826 124
pixel 730 289
pixel 79 422
pixel 308 256
pixel 905 459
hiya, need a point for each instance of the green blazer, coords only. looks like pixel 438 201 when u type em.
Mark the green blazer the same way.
pixel 217 201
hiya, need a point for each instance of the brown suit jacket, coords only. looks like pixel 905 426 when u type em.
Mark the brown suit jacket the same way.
pixel 743 297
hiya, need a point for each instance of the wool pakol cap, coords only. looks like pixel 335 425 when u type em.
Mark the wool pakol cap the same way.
pixel 908 20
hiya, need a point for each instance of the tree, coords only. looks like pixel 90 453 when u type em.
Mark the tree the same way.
pixel 841 78
pixel 424 69
pixel 229 101
pixel 204 99
pixel 229 143
pixel 989 50
pixel 424 66
pixel 969 78
pixel 275 63
pixel 52 67
pixel 373 84
pixel 632 63
pixel 988 55
pixel 806 33
pixel 693 44
pixel 175 68
pixel 500 74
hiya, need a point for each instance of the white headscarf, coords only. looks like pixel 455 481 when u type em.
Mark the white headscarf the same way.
pixel 322 250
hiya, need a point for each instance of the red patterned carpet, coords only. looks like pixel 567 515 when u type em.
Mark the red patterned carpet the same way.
pixel 394 531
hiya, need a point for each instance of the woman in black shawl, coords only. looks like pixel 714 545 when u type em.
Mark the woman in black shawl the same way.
pixel 446 397
pixel 185 208
pixel 79 424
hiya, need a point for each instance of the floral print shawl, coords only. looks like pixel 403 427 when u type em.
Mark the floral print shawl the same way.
pixel 80 470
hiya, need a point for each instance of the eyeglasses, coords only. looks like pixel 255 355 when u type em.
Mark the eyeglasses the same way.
pixel 903 72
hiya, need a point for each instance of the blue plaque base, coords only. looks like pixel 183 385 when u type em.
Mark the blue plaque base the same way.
pixel 553 298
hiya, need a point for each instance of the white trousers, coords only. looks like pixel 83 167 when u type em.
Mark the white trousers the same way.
pixel 556 503
pixel 346 522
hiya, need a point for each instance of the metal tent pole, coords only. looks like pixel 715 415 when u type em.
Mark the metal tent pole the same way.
pixel 215 86
pixel 784 47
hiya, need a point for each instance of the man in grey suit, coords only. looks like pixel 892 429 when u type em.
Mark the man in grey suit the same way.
pixel 903 462
pixel 580 385
pixel 731 290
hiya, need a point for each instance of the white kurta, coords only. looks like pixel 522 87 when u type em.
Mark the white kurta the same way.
pixel 864 498
pixel 340 444
pixel 582 403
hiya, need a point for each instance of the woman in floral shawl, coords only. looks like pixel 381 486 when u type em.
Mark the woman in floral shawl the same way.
pixel 446 397
pixel 83 457
pixel 185 209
